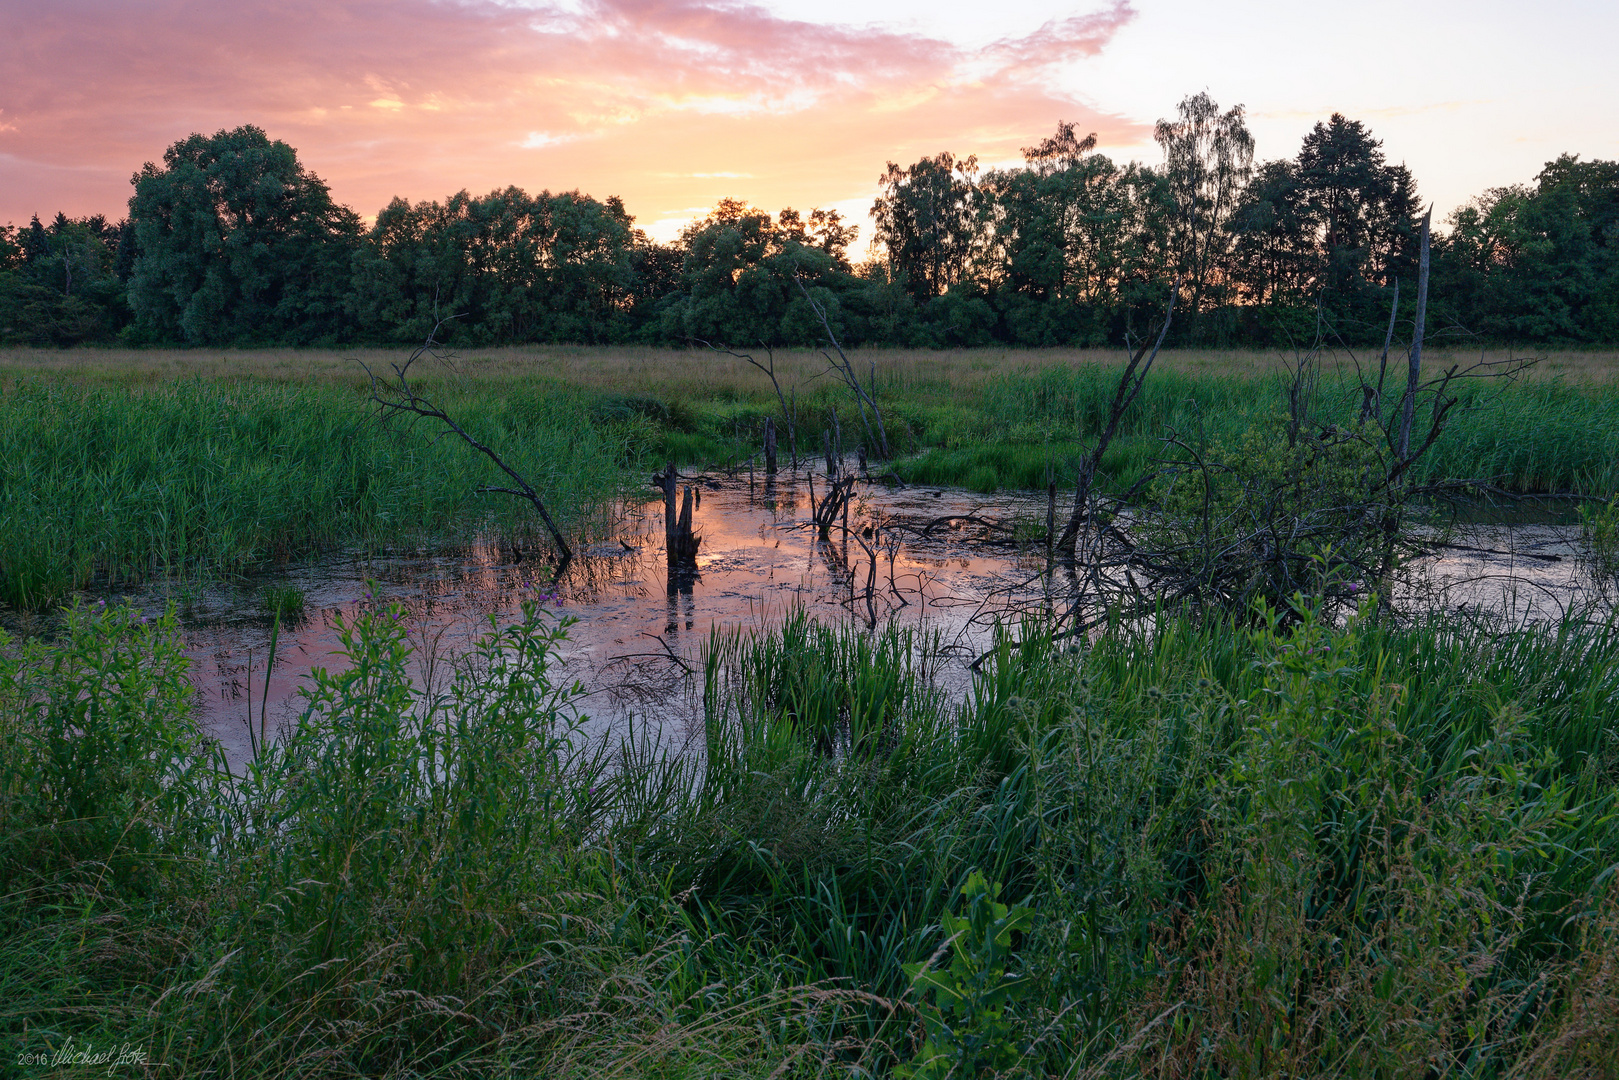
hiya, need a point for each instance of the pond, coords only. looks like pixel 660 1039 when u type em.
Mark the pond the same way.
pixel 946 562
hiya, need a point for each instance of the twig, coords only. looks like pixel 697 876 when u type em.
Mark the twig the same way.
pixel 769 368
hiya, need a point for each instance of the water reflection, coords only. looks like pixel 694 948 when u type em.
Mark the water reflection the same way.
pixel 918 556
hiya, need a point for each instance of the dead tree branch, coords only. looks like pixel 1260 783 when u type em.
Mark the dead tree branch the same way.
pixel 845 371
pixel 1129 388
pixel 1413 376
pixel 397 396
pixel 769 368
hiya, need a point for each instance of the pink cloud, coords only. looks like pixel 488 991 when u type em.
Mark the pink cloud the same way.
pixel 654 100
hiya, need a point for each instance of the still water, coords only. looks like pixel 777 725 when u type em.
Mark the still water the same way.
pixel 941 561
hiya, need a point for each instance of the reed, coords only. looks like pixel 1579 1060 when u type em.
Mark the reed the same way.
pixel 191 477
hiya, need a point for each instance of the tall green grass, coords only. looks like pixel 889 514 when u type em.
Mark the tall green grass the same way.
pixel 1273 848
pixel 1531 437
pixel 191 477
pixel 196 477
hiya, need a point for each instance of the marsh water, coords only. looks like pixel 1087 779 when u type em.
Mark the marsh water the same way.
pixel 943 561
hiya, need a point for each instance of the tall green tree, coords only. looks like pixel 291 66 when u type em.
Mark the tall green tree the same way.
pixel 1208 157
pixel 35 241
pixel 60 288
pixel 10 248
pixel 1361 211
pixel 927 221
pixel 508 266
pixel 1329 231
pixel 741 271
pixel 1538 263
pixel 238 243
pixel 1073 237
pixel 1273 253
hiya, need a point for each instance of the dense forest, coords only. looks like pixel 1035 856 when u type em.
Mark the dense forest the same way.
pixel 231 240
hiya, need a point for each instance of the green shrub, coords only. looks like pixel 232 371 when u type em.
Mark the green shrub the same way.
pixel 102 772
pixel 968 1032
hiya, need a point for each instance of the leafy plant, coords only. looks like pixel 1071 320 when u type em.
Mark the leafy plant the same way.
pixel 965 1010
pixel 101 766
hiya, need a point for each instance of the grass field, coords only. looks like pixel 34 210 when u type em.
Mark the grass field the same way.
pixel 698 373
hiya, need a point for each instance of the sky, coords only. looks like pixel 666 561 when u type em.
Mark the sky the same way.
pixel 674 104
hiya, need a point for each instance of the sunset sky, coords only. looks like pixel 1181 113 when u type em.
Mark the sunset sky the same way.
pixel 672 104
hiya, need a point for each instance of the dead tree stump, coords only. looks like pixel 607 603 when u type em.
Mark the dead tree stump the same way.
pixel 770 447
pixel 679 539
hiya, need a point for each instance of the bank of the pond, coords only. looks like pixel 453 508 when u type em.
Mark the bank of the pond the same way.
pixel 1537 436
pixel 1214 849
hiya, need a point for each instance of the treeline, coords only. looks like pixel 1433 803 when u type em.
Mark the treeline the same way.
pixel 231 240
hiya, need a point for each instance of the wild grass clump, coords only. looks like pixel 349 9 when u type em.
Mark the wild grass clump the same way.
pixel 283 601
pixel 1279 847
pixel 401 884
pixel 199 478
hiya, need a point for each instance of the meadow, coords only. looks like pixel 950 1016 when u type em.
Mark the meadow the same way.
pixel 125 465
pixel 1271 842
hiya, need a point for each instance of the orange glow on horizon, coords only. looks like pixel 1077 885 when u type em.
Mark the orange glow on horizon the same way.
pixel 668 105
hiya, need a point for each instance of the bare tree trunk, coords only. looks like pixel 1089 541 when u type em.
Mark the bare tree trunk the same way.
pixel 1372 400
pixel 680 542
pixel 770 447
pixel 1051 519
pixel 1413 375
pixel 667 482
